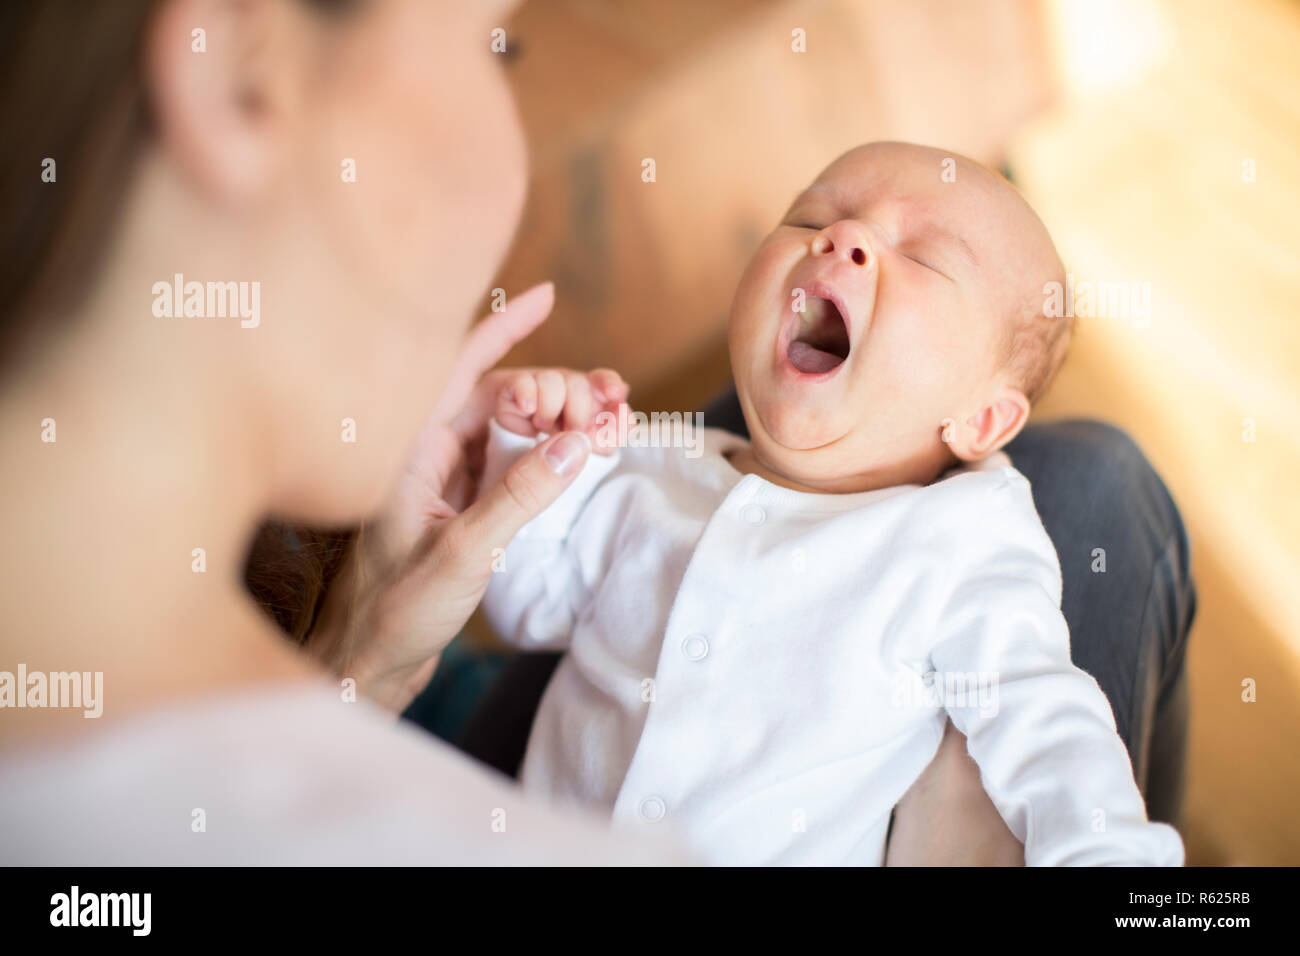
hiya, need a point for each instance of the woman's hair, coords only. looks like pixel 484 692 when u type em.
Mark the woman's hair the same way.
pixel 72 95
pixel 289 569
pixel 72 91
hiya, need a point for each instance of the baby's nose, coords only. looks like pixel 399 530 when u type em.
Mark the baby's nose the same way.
pixel 836 240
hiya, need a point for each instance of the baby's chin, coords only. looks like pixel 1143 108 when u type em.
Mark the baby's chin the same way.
pixel 817 469
pixel 789 430
pixel 793 435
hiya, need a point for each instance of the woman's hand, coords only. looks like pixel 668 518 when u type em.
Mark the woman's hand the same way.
pixel 415 576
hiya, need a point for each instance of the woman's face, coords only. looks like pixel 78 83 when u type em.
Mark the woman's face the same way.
pixel 380 272
pixel 411 90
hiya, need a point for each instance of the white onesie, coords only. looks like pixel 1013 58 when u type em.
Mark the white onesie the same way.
pixel 767 671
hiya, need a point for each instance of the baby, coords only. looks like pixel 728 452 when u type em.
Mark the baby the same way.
pixel 766 639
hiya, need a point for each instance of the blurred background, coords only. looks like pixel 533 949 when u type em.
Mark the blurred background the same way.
pixel 1159 141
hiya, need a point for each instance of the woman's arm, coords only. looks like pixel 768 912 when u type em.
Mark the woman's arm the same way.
pixel 947 819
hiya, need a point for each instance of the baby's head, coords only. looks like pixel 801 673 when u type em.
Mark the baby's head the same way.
pixel 923 338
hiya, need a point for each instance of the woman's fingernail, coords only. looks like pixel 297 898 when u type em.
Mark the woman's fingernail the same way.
pixel 567 453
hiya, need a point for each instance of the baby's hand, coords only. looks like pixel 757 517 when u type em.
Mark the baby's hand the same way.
pixel 535 400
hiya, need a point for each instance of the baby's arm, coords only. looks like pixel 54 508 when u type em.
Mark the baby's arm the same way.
pixel 538 583
pixel 1045 741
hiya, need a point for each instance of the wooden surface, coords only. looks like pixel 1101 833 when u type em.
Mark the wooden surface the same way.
pixel 1144 182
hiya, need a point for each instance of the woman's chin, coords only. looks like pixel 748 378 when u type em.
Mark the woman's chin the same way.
pixel 328 507
pixel 338 493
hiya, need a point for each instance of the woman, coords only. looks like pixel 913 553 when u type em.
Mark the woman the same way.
pixel 350 174
pixel 215 140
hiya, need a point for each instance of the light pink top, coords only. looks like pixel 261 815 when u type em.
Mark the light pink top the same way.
pixel 286 774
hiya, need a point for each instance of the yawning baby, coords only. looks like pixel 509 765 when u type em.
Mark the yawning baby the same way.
pixel 766 640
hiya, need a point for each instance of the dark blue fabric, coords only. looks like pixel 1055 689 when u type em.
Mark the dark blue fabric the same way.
pixel 453 694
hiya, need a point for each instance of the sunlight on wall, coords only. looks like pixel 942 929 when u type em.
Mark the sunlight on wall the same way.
pixel 1108 45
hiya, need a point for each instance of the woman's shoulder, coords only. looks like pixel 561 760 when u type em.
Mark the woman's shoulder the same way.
pixel 298 773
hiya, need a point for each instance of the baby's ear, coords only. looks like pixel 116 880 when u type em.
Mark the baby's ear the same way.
pixel 992 427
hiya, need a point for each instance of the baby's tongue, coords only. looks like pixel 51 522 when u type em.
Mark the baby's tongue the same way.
pixel 811 360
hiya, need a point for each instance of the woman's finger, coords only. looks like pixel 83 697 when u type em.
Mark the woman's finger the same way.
pixel 526 489
pixel 489 341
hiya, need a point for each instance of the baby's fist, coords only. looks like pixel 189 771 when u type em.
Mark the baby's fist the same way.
pixel 532 401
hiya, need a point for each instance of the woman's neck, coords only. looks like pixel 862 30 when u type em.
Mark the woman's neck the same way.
pixel 128 497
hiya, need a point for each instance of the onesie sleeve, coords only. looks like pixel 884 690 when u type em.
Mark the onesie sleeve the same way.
pixel 537 585
pixel 1040 728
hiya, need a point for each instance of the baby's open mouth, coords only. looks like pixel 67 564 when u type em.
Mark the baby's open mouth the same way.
pixel 821 340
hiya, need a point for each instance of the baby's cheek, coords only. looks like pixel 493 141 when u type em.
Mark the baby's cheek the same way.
pixel 768 269
pixel 753 298
pixel 921 369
